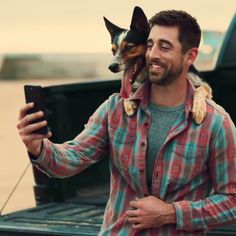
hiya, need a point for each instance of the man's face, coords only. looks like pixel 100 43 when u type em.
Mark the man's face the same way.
pixel 164 58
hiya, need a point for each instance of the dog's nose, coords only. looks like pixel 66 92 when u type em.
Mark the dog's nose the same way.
pixel 114 67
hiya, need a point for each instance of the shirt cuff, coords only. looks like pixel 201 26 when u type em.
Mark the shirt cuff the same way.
pixel 184 219
pixel 36 160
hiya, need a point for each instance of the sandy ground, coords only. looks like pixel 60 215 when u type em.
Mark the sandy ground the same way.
pixel 13 157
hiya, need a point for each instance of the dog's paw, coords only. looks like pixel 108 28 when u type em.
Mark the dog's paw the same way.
pixel 199 109
pixel 130 107
pixel 207 89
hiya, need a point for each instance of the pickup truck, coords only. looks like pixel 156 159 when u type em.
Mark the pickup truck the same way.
pixel 75 205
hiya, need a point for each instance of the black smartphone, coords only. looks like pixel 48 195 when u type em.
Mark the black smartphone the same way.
pixel 34 93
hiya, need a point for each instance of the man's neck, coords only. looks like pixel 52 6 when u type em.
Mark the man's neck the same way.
pixel 170 95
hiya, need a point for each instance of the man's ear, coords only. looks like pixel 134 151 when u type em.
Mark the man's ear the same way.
pixel 139 21
pixel 191 55
pixel 112 28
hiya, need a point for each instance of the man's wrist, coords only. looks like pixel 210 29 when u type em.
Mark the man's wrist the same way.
pixel 171 214
pixel 34 153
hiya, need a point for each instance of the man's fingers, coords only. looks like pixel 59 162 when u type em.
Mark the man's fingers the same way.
pixel 34 136
pixel 132 213
pixel 28 125
pixel 32 127
pixel 138 226
pixel 29 119
pixel 25 109
pixel 134 204
pixel 134 220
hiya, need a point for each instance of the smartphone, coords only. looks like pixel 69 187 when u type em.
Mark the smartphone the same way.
pixel 34 93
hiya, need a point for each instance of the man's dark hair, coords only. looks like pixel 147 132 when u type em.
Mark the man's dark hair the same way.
pixel 189 30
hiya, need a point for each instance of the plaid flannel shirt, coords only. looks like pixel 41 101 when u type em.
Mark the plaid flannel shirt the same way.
pixel 195 168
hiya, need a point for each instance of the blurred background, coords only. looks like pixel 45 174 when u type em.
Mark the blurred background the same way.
pixel 64 41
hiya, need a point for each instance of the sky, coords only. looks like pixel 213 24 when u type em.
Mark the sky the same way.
pixel 76 26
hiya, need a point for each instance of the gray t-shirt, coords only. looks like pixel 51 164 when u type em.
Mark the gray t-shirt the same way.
pixel 162 120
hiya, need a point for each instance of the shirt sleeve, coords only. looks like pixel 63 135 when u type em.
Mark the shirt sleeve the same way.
pixel 219 208
pixel 71 157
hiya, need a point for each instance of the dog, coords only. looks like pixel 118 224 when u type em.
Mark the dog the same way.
pixel 129 48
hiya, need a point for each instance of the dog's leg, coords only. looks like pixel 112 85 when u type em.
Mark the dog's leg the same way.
pixel 199 109
pixel 130 107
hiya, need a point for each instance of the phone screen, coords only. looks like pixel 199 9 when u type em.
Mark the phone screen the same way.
pixel 34 93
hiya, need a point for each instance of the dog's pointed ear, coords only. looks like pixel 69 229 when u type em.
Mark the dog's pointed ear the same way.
pixel 139 21
pixel 112 28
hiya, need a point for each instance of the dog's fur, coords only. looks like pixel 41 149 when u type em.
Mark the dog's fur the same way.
pixel 129 48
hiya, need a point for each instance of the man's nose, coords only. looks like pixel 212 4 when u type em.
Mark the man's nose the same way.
pixel 154 52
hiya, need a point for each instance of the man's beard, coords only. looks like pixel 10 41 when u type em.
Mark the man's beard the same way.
pixel 166 78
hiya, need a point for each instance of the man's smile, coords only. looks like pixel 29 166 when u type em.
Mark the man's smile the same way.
pixel 156 66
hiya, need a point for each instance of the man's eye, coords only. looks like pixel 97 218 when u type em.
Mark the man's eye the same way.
pixel 149 45
pixel 165 47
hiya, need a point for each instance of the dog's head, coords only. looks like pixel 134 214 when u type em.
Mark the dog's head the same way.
pixel 128 44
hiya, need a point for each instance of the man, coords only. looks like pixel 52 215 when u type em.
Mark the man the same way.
pixel 169 176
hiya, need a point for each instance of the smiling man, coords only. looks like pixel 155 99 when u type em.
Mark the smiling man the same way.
pixel 169 175
pixel 183 160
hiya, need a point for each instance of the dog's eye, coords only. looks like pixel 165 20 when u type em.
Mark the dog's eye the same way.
pixel 113 51
pixel 129 47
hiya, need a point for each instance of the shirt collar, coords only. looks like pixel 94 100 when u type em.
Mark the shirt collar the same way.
pixel 143 94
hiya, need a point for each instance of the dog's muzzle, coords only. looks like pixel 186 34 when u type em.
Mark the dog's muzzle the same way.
pixel 114 67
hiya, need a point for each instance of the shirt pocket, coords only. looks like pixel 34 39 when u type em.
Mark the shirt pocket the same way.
pixel 187 162
pixel 119 136
pixel 121 147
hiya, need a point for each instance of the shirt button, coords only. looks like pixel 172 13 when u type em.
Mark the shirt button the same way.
pixel 156 175
pixel 142 144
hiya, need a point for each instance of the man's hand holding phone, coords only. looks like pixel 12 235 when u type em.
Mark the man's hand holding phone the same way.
pixel 32 125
